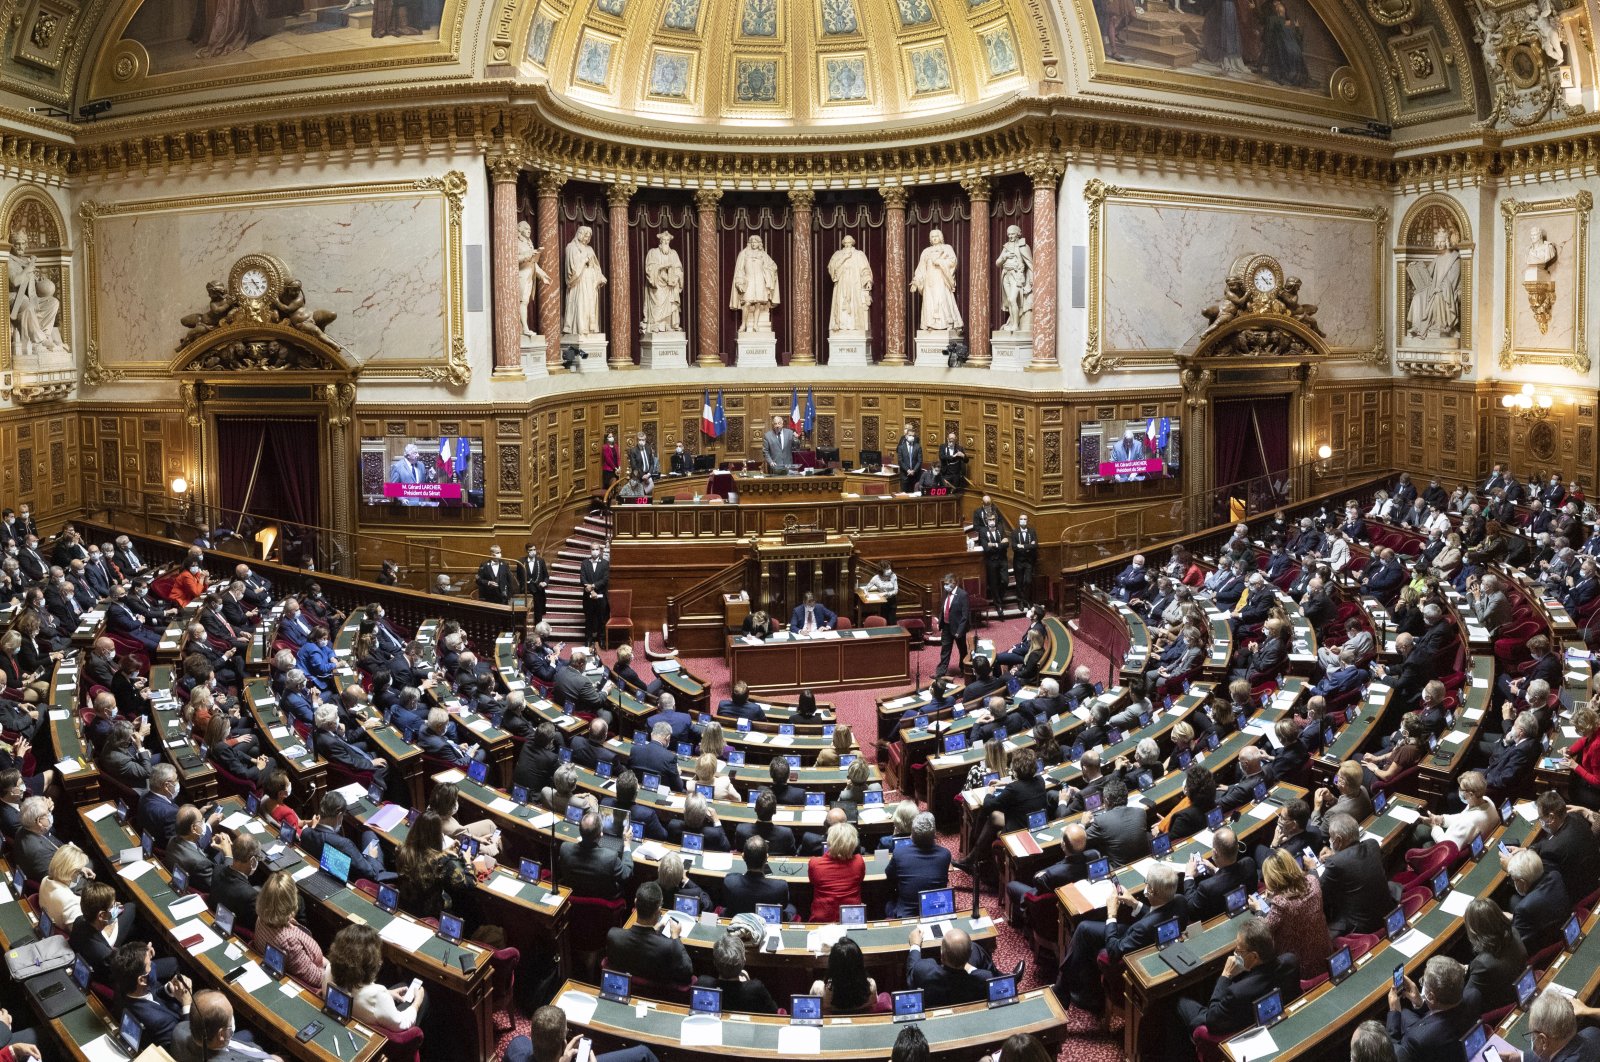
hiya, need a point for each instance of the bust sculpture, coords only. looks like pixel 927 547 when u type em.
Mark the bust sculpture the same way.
pixel 663 287
pixel 755 287
pixel 580 314
pixel 1541 252
pixel 34 307
pixel 851 273
pixel 935 280
pixel 1016 282
pixel 529 274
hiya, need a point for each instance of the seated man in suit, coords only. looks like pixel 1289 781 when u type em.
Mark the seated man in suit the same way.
pixel 1428 1022
pixel 1254 969
pixel 1553 1031
pixel 1513 759
pixel 657 757
pixel 433 741
pixel 197 848
pixel 35 843
pixel 682 723
pixel 740 992
pixel 592 869
pixel 123 620
pixel 1079 979
pixel 1567 846
pixel 547 1041
pixel 328 829
pixel 914 867
pixel 949 981
pixel 157 1006
pixel 1291 831
pixel 778 771
pixel 779 840
pixel 231 888
pixel 1292 754
pixel 743 893
pixel 625 809
pixel 1210 880
pixel 575 691
pixel 1348 677
pixel 630 680
pixel 1073 866
pixel 1355 888
pixel 334 747
pixel 1252 773
pixel 739 705
pixel 810 616
pixel 157 814
pixel 589 748
pixel 1540 905
pixel 210 1035
pixel 642 950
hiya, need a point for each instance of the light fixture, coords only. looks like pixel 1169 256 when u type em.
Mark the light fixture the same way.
pixel 180 486
pixel 1528 404
pixel 1324 452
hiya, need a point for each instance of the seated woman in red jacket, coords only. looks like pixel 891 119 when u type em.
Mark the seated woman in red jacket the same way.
pixel 836 875
pixel 1583 758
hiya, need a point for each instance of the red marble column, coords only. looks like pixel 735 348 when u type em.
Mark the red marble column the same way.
pixel 509 318
pixel 1044 175
pixel 708 283
pixel 619 281
pixel 894 275
pixel 549 208
pixel 978 267
pixel 800 288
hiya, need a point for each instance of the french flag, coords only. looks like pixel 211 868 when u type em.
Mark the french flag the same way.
pixel 708 425
pixel 797 420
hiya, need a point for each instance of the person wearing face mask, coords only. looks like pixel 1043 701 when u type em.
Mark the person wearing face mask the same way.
pixel 316 659
pixel 97 573
pixel 189 584
pixel 35 845
pixel 1254 969
pixel 158 1006
pixel 10 533
pixel 61 888
pixel 197 848
pixel 1479 816
pixel 1553 1033
pixel 210 1034
pixel 104 924
pixel 31 560
pixel 231 887
pixel 157 814
pixel 1429 1021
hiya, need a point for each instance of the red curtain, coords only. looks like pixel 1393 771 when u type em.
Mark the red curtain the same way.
pixel 1012 204
pixel 837 215
pixel 651 213
pixel 286 487
pixel 238 444
pixel 743 215
pixel 946 208
pixel 585 204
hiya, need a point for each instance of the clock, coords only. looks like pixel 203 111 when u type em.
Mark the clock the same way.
pixel 253 284
pixel 1264 279
pixel 1260 276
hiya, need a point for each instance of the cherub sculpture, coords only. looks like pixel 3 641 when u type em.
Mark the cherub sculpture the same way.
pixel 215 314
pixel 1235 301
pixel 1305 313
pixel 291 306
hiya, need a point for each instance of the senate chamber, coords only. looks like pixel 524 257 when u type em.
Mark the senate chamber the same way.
pixel 669 530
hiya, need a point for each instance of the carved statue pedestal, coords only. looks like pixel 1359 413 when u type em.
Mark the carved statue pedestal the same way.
pixel 1010 351
pixel 850 349
pixel 664 350
pixel 756 350
pixel 533 363
pixel 593 344
pixel 931 344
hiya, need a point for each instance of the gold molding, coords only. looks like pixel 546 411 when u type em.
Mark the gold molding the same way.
pixel 1097 358
pixel 451 188
pixel 1577 359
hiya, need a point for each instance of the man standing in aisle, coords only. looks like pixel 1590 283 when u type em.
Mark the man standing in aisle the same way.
pixel 595 575
pixel 1024 558
pixel 994 544
pixel 952 625
pixel 494 579
pixel 908 455
pixel 642 462
pixel 535 576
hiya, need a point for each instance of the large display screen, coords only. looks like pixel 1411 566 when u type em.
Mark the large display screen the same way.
pixel 1128 451
pixel 440 472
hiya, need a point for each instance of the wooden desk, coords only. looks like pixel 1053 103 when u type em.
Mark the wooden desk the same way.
pixel 66 736
pixel 845 660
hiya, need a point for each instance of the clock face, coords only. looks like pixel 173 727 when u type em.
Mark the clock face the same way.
pixel 1265 279
pixel 253 284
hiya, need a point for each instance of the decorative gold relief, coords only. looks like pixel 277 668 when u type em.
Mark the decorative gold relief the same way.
pixel 1541 300
pixel 1542 290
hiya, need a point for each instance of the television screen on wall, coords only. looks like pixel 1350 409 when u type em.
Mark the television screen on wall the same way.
pixel 439 472
pixel 1128 451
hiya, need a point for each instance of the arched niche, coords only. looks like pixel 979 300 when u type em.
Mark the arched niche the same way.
pixel 1433 266
pixel 35 237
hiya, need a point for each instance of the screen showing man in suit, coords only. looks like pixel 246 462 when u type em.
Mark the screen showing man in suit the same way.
pixel 1127 451
pixel 426 473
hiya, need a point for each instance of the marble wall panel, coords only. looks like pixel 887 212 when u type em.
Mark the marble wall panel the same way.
pixel 1561 230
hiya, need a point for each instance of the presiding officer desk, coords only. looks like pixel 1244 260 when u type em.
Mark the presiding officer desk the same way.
pixel 964 1032
pixel 829 660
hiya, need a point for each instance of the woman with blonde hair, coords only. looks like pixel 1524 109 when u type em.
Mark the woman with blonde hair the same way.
pixel 1294 901
pixel 714 740
pixel 837 874
pixel 705 773
pixel 276 907
pixel 1346 797
pixel 1478 817
pixel 675 882
pixel 1583 757
pixel 844 739
pixel 58 892
pixel 827 759
pixel 996 760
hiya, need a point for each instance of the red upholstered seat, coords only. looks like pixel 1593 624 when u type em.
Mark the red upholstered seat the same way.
pixel 874 621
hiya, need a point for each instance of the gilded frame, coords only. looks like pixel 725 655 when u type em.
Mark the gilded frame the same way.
pixel 1406 252
pixel 1577 359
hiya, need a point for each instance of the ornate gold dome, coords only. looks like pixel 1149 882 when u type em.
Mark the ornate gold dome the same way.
pixel 789 62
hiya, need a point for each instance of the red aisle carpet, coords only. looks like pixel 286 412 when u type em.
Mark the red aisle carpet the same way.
pixel 1086 1040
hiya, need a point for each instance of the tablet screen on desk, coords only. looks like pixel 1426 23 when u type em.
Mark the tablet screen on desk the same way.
pixel 805 1010
pixel 528 871
pixel 519 793
pixel 689 905
pixel 705 1000
pixel 1037 820
pixel 478 771
pixel 770 913
pixel 1235 900
pixel 574 813
pixel 450 927
pixel 1269 1008
pixel 1002 990
pixel 815 800
pixel 1160 845
pixel 1380 801
pixel 1570 932
pixel 853 914
pixel 1395 924
pixel 693 842
pixel 709 792
pixel 908 1005
pixel 1166 932
pixel 685 749
pixel 1525 986
pixel 131 1033
pixel 1092 802
pixel 937 903
pixel 1473 1042
pixel 1339 964
pixel 222 920
pixel 874 796
pixel 651 782
pixel 1099 870
pixel 338 1001
pixel 272 959
pixel 614 986
pixel 735 758
pixel 794 762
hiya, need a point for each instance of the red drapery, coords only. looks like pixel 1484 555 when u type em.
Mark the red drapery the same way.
pixel 651 213
pixel 287 487
pixel 837 215
pixel 764 214
pixel 946 208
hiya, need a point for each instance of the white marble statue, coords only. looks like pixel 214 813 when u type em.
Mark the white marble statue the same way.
pixel 1548 25
pixel 1435 309
pixel 34 307
pixel 935 279
pixel 663 287
pixel 1016 282
pixel 1541 252
pixel 755 287
pixel 529 274
pixel 852 288
pixel 580 315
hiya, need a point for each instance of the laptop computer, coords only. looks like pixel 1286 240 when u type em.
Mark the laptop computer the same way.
pixel 333 874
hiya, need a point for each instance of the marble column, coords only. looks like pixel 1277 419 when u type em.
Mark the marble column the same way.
pixel 800 287
pixel 549 208
pixel 620 279
pixel 978 269
pixel 894 275
pixel 708 281
pixel 510 319
pixel 1044 174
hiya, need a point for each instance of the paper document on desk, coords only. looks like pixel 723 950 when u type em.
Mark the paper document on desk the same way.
pixel 505 885
pixel 578 1007
pixel 405 934
pixel 188 907
pixel 253 978
pixel 700 1030
pixel 387 818
pixel 1257 1044
pixel 1097 892
pixel 1456 902
pixel 716 861
pixel 196 928
pixel 1410 942
pixel 1403 812
pixel 802 1040
pixel 503 804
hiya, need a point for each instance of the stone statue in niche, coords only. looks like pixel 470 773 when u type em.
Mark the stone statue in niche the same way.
pixel 1016 282
pixel 1435 308
pixel 852 288
pixel 580 315
pixel 34 307
pixel 935 281
pixel 663 287
pixel 755 287
pixel 1541 252
pixel 528 271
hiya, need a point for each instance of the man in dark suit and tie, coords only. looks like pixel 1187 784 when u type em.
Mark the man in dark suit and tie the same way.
pixel 779 840
pixel 953 620
pixel 782 790
pixel 365 861
pixel 1073 866
pixel 494 579
pixel 1209 882
pixel 1348 677
pixel 31 561
pixel 157 813
pixel 1079 979
pixel 156 1006
pixel 127 558
pixel 1540 905
pixel 947 981
pixel 809 616
pixel 914 867
pixel 122 620
pixel 195 853
pixel 1024 560
pixel 993 541
pixel 1568 846
pixel 1120 830
pixel 742 893
pixel 592 869
pixel 644 951
pixel 1428 1023
pixel 1513 758
pixel 908 455
pixel 642 461
pixel 656 757
pixel 1254 969
pixel 35 842
pixel 595 576
pixel 533 575
pixel 1355 889
pixel 97 573
pixel 334 747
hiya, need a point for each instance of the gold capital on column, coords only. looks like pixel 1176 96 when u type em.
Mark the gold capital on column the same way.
pixel 505 165
pixel 620 194
pixel 708 304
pixel 894 275
pixel 977 188
pixel 804 353
pixel 621 283
pixel 707 198
pixel 894 195
pixel 551 183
